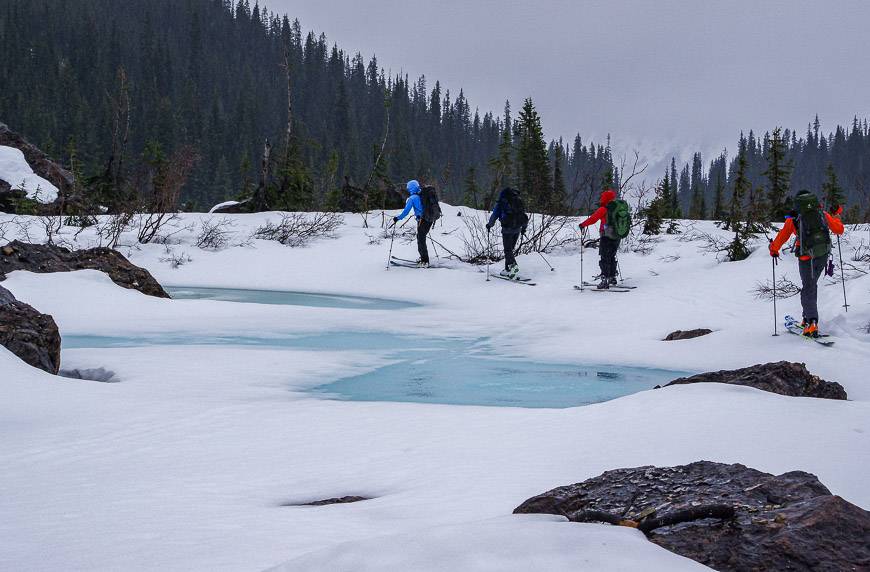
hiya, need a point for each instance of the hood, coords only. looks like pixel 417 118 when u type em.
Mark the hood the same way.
pixel 413 187
pixel 607 196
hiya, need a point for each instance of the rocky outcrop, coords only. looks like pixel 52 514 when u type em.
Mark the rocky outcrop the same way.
pixel 728 517
pixel 687 334
pixel 41 163
pixel 784 378
pixel 43 258
pixel 32 336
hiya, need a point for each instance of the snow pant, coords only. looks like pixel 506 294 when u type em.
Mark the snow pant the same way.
pixel 810 271
pixel 509 241
pixel 607 248
pixel 423 228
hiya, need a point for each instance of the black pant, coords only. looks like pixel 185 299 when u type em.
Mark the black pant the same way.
pixel 423 228
pixel 607 248
pixel 810 271
pixel 509 241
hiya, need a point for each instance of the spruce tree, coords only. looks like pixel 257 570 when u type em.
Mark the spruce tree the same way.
pixel 831 191
pixel 698 208
pixel 533 165
pixel 777 174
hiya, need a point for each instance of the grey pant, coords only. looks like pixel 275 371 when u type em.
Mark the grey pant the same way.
pixel 810 271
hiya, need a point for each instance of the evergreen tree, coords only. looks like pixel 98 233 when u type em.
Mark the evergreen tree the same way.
pixel 831 191
pixel 698 208
pixel 472 191
pixel 533 165
pixel 777 173
pixel 676 212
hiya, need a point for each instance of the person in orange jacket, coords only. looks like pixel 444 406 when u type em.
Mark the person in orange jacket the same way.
pixel 812 227
pixel 607 246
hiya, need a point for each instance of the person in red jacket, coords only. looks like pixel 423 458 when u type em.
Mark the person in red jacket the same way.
pixel 607 247
pixel 813 246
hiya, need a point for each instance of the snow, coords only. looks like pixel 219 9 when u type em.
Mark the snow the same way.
pixel 222 205
pixel 15 170
pixel 187 463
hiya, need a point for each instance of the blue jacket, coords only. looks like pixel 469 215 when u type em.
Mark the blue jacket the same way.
pixel 413 202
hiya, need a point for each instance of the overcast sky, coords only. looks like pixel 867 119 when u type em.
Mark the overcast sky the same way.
pixel 662 76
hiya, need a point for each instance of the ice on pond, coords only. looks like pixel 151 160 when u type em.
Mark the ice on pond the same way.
pixel 436 370
pixel 283 298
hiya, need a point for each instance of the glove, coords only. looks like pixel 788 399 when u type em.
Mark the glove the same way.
pixel 774 253
pixel 395 219
pixel 523 231
pixel 489 226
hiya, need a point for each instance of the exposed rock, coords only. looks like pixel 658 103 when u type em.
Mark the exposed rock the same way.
pixel 687 334
pixel 728 517
pixel 41 163
pixel 784 378
pixel 324 502
pixel 93 374
pixel 32 336
pixel 45 258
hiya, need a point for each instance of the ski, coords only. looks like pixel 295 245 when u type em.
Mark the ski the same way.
pixel 411 265
pixel 792 326
pixel 590 284
pixel 617 289
pixel 525 281
pixel 396 258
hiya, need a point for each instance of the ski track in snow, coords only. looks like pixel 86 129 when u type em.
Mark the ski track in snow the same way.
pixel 186 462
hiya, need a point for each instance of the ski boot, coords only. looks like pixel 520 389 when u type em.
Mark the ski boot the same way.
pixel 513 272
pixel 811 329
pixel 505 274
pixel 421 264
pixel 612 281
pixel 604 284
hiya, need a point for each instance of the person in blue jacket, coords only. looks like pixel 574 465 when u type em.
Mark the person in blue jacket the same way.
pixel 510 212
pixel 423 226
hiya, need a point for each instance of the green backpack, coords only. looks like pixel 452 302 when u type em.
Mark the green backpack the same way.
pixel 618 223
pixel 813 234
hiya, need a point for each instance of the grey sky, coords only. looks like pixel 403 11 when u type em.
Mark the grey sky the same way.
pixel 665 76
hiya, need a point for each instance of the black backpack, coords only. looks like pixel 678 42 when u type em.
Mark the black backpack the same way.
pixel 514 210
pixel 813 234
pixel 431 208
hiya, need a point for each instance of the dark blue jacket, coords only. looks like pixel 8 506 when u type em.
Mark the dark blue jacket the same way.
pixel 500 211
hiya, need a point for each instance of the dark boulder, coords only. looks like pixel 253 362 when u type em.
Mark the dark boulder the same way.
pixel 728 517
pixel 784 378
pixel 100 374
pixel 32 336
pixel 687 334
pixel 44 258
pixel 41 163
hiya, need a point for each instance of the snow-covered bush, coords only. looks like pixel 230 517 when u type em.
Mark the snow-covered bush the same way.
pixel 785 288
pixel 298 229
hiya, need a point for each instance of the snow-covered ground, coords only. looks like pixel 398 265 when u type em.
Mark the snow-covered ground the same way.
pixel 191 460
pixel 15 170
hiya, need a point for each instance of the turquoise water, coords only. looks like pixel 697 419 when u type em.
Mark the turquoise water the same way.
pixel 435 370
pixel 277 297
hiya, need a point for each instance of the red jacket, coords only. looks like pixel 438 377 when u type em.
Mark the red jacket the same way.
pixel 600 213
pixel 788 229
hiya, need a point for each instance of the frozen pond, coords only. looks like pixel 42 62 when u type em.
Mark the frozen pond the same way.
pixel 278 297
pixel 435 370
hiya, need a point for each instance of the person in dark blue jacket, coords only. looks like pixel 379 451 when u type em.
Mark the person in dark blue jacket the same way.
pixel 511 215
pixel 423 226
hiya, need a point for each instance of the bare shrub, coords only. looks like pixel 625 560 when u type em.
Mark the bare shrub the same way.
pixel 785 288
pixel 174 259
pixel 644 244
pixel 669 258
pixel 215 234
pixel 298 229
pixel 160 192
pixel 478 243
pixel 111 227
pixel 547 232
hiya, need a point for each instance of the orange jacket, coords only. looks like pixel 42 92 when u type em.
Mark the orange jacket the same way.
pixel 600 213
pixel 789 229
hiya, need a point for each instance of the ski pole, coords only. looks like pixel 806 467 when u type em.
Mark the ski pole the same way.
pixel 392 238
pixel 488 253
pixel 434 248
pixel 548 263
pixel 773 269
pixel 582 233
pixel 842 273
pixel 619 270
